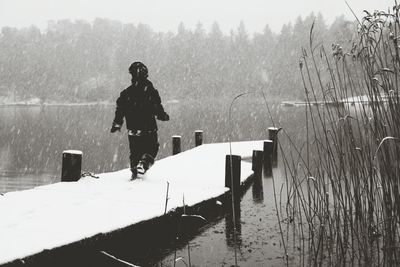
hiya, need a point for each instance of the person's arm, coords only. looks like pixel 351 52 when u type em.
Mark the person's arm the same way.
pixel 159 111
pixel 119 113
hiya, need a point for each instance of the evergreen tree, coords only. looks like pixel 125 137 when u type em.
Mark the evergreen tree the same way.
pixel 82 61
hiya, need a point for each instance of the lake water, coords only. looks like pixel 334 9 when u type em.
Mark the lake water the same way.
pixel 33 138
pixel 258 242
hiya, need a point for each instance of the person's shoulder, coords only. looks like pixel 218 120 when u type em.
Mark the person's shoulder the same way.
pixel 131 86
pixel 125 91
pixel 150 87
pixel 149 84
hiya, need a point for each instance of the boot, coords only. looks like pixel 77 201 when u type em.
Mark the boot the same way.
pixel 141 167
pixel 147 161
pixel 134 173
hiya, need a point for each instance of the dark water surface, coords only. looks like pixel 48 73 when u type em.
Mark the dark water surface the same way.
pixel 33 138
pixel 258 242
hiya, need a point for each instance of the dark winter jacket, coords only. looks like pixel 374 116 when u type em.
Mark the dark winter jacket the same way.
pixel 140 104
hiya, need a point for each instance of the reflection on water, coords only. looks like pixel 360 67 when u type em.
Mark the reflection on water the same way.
pixel 233 226
pixel 257 189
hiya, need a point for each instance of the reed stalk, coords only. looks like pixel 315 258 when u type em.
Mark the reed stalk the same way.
pixel 343 182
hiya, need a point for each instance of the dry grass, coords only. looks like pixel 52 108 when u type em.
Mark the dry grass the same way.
pixel 343 204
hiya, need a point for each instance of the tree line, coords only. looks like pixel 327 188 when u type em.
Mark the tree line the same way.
pixel 76 61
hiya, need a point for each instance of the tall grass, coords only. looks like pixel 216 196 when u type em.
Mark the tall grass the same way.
pixel 343 183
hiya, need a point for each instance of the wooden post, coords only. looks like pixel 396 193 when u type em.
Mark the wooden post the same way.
pixel 268 150
pixel 257 161
pixel 198 137
pixel 232 170
pixel 273 135
pixel 176 144
pixel 71 165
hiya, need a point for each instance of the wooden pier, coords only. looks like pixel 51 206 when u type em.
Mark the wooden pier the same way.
pixel 37 222
pixel 353 100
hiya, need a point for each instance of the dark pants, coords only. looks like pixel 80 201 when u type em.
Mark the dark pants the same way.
pixel 143 148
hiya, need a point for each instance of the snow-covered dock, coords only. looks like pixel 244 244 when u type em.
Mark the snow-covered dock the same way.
pixel 59 214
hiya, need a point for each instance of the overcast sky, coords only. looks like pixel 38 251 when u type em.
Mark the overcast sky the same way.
pixel 165 15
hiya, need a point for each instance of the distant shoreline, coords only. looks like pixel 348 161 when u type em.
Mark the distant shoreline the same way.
pixel 172 101
pixel 22 104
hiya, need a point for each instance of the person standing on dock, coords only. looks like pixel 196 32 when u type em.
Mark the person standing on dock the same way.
pixel 140 105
